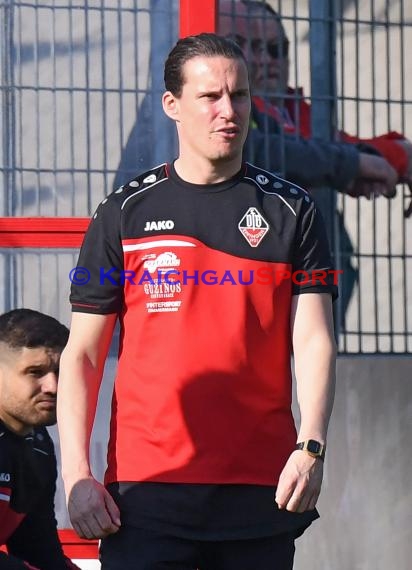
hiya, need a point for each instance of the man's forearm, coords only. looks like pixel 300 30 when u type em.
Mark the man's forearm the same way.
pixel 311 163
pixel 81 370
pixel 314 349
pixel 315 377
pixel 77 399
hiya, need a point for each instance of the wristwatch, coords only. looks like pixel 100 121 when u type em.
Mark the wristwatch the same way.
pixel 313 447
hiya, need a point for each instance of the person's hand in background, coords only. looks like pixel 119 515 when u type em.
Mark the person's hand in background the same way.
pixel 376 177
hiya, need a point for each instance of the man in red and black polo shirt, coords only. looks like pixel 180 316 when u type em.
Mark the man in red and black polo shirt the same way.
pixel 216 270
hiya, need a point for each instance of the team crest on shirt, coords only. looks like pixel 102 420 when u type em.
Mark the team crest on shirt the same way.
pixel 253 227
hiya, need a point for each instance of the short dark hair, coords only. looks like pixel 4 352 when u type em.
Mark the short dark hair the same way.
pixel 25 328
pixel 206 44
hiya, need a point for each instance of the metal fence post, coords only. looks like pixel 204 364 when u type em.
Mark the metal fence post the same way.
pixel 8 129
pixel 8 108
pixel 322 36
pixel 163 34
pixel 323 90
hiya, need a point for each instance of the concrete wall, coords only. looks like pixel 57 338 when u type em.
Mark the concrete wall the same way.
pixel 366 502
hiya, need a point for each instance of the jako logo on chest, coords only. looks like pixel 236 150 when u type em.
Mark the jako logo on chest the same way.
pixel 159 225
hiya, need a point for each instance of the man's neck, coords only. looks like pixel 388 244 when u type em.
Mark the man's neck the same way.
pixel 206 172
pixel 14 426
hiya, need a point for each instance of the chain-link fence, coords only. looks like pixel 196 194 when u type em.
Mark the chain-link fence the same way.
pixel 74 75
pixel 80 113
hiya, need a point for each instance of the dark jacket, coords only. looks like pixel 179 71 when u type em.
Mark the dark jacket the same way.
pixel 27 487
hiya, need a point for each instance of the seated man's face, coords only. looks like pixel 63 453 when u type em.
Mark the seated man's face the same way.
pixel 28 387
pixel 264 45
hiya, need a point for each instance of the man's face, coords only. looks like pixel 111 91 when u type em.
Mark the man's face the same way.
pixel 263 43
pixel 212 112
pixel 28 387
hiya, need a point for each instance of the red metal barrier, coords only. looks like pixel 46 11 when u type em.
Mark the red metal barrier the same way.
pixel 75 547
pixel 42 232
pixel 197 17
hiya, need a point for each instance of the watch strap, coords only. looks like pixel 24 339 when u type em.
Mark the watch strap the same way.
pixel 313 447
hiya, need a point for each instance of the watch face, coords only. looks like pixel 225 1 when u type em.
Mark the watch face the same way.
pixel 313 446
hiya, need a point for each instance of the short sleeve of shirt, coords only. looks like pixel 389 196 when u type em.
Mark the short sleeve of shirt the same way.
pixel 313 271
pixel 96 280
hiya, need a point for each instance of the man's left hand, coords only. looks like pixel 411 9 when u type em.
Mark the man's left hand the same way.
pixel 300 483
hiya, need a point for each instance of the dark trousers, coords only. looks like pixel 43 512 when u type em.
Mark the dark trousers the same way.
pixel 138 549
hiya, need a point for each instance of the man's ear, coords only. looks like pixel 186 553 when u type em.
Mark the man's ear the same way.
pixel 170 105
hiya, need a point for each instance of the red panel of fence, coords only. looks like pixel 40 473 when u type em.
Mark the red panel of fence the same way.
pixel 78 548
pixel 41 232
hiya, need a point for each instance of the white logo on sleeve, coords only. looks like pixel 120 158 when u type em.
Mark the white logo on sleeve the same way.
pixel 149 179
pixel 159 225
pixel 261 178
pixel 4 477
pixel 253 227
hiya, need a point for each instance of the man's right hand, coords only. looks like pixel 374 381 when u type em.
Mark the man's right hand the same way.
pixel 376 177
pixel 92 510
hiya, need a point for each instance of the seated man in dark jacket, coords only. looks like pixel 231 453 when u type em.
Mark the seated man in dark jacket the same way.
pixel 30 347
